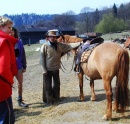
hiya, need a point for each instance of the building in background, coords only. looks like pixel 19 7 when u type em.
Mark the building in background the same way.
pixel 32 35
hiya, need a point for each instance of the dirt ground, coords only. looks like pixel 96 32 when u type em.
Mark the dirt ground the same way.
pixel 69 110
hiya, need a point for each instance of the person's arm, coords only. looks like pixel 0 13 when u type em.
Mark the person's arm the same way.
pixel 24 59
pixel 67 47
pixel 23 55
pixel 43 58
pixel 24 62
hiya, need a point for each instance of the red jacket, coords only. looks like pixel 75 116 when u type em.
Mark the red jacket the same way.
pixel 8 67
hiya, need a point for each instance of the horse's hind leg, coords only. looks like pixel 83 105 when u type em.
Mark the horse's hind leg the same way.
pixel 81 96
pixel 108 89
pixel 93 96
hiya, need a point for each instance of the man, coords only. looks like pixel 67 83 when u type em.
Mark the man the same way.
pixel 51 53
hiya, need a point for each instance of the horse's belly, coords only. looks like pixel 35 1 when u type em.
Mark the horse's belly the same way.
pixel 102 62
pixel 94 74
pixel 91 71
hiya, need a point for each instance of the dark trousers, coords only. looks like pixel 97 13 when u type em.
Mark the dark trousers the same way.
pixel 6 112
pixel 78 56
pixel 51 86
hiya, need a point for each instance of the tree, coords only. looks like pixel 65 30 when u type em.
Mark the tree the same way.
pixel 121 11
pixel 65 20
pixel 109 23
pixel 80 27
pixel 96 17
pixel 86 18
pixel 114 10
pixel 86 10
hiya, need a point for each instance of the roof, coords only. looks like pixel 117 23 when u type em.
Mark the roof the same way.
pixel 41 29
pixel 92 34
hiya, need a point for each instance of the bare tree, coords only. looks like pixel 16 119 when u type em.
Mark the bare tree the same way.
pixel 65 20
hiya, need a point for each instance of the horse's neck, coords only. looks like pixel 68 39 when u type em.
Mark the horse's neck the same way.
pixel 67 39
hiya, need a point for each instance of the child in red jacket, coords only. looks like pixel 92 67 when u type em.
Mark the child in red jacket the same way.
pixel 8 69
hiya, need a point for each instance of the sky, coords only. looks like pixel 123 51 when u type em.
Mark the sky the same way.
pixel 12 7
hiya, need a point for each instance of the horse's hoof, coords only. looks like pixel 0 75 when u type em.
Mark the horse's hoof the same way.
pixel 106 118
pixel 92 98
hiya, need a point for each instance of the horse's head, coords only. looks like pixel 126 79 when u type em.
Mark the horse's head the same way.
pixel 61 39
pixel 69 39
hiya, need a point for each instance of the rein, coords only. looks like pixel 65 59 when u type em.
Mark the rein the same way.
pixel 63 67
pixel 87 78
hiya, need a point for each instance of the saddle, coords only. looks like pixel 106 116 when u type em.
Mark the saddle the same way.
pixel 83 52
pixel 85 55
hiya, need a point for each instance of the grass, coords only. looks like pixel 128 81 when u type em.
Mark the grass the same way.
pixel 30 50
pixel 112 36
pixel 32 47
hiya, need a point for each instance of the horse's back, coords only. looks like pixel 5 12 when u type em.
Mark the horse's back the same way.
pixel 108 47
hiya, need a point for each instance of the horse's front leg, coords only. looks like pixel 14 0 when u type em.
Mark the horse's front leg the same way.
pixel 93 96
pixel 81 96
pixel 108 89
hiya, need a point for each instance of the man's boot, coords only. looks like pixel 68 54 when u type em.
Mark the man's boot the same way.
pixel 77 68
pixel 56 95
pixel 50 100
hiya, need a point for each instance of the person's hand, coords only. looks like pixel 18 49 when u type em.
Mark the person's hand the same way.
pixel 23 70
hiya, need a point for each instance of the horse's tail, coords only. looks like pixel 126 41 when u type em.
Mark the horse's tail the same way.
pixel 122 90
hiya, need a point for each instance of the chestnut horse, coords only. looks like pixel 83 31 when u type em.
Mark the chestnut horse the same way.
pixel 106 61
pixel 69 39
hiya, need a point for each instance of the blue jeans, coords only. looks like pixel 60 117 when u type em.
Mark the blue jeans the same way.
pixel 6 112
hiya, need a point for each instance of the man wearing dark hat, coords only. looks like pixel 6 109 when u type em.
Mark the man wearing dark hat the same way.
pixel 51 53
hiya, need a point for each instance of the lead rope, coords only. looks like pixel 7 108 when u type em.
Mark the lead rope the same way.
pixel 63 67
